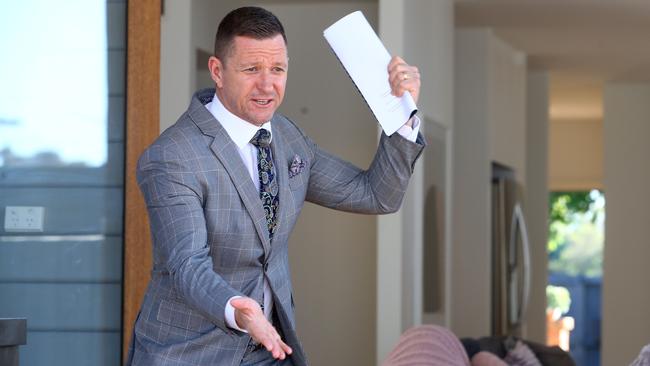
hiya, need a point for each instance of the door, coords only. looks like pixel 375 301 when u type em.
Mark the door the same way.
pixel 510 254
pixel 62 143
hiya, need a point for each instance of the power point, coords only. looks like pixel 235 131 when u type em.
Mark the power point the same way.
pixel 24 219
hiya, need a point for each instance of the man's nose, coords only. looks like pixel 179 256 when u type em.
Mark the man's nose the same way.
pixel 265 81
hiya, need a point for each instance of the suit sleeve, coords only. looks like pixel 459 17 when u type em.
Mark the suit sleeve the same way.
pixel 380 189
pixel 174 201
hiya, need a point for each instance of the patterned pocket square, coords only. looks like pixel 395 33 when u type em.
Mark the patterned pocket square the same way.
pixel 296 166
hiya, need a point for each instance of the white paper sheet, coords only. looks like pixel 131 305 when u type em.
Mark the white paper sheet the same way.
pixel 366 60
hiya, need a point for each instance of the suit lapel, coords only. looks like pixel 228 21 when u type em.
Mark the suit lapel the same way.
pixel 226 151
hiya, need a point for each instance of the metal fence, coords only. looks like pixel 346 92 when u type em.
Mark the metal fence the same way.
pixel 586 295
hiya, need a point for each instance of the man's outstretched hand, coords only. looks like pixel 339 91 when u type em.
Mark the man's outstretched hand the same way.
pixel 249 316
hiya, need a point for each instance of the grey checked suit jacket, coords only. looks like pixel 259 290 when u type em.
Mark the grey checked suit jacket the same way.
pixel 210 239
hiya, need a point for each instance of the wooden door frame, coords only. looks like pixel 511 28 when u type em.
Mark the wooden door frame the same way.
pixel 142 127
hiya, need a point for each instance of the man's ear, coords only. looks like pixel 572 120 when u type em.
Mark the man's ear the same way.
pixel 216 70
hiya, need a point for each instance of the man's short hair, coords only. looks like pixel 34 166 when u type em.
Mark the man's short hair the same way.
pixel 247 21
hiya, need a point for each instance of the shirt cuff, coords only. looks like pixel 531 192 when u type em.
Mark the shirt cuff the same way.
pixel 230 315
pixel 408 132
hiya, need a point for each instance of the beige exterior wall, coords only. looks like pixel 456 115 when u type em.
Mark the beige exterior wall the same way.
pixel 575 155
pixel 626 299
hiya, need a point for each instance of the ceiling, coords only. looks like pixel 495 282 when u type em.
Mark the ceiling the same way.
pixel 583 43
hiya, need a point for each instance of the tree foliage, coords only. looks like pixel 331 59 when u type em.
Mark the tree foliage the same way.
pixel 576 232
pixel 558 297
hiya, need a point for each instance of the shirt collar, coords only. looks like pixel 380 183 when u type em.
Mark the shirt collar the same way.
pixel 240 131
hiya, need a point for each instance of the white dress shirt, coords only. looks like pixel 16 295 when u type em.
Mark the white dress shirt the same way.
pixel 241 132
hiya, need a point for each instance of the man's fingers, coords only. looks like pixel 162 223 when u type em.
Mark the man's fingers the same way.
pixel 396 60
pixel 244 303
pixel 399 87
pixel 398 67
pixel 238 303
pixel 404 75
pixel 270 339
pixel 280 349
pixel 276 350
pixel 286 348
pixel 268 345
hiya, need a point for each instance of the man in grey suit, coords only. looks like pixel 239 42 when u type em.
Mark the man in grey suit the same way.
pixel 224 187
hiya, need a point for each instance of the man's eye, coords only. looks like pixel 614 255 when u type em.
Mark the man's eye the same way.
pixel 251 69
pixel 278 69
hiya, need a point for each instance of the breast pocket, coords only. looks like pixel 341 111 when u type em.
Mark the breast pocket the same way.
pixel 296 183
pixel 298 173
pixel 299 181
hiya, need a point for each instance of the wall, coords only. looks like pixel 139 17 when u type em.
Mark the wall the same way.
pixel 490 125
pixel 536 199
pixel 177 60
pixel 626 299
pixel 507 106
pixel 575 159
pixel 187 30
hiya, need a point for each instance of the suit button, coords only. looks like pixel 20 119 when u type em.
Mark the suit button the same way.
pixel 266 266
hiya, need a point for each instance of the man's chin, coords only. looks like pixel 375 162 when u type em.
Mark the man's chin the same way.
pixel 259 120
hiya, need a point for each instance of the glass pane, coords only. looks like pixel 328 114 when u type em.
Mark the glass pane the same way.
pixel 53 99
pixel 62 167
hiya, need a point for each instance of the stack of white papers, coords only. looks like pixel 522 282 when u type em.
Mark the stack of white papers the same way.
pixel 366 60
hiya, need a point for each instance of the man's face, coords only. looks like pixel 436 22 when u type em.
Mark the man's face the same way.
pixel 251 81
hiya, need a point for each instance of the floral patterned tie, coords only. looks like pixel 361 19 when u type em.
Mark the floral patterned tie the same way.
pixel 268 181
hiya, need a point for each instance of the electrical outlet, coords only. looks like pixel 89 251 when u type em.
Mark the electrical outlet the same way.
pixel 24 219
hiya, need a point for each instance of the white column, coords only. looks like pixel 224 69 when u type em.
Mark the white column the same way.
pixel 626 298
pixel 536 200
pixel 471 263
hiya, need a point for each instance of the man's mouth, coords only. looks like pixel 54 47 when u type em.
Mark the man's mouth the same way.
pixel 262 101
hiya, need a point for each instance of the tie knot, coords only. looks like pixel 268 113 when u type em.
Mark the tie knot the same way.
pixel 262 138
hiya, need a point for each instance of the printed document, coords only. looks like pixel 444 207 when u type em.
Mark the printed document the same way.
pixel 366 60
